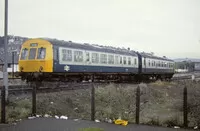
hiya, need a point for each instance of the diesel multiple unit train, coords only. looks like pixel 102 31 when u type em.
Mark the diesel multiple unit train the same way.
pixel 44 59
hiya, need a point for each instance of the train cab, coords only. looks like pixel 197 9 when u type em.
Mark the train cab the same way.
pixel 36 56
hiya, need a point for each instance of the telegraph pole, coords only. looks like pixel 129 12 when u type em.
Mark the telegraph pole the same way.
pixel 5 73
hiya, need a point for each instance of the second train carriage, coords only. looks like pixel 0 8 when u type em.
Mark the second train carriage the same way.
pixel 53 57
pixel 157 67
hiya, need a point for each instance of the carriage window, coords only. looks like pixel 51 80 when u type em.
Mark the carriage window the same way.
pixel 87 56
pixel 32 53
pixel 95 58
pixel 124 58
pixel 116 60
pixel 24 54
pixel 152 63
pixel 129 60
pixel 110 59
pixel 165 64
pixel 41 53
pixel 103 58
pixel 149 63
pixel 135 61
pixel 78 56
pixel 144 61
pixel 66 55
pixel 120 60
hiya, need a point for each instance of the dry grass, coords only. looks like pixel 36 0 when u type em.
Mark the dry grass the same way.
pixel 18 110
pixel 161 103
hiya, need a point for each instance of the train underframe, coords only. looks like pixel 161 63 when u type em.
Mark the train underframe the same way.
pixel 97 77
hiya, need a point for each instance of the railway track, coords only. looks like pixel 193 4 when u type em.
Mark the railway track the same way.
pixel 23 89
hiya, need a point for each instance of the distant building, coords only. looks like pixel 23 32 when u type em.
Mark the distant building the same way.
pixel 197 66
pixel 189 65
pixel 11 67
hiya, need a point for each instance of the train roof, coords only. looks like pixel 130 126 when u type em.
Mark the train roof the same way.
pixel 101 48
pixel 92 47
pixel 147 55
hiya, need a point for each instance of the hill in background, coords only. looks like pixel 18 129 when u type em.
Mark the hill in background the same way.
pixel 15 42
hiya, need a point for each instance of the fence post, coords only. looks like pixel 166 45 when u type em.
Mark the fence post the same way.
pixel 138 105
pixel 93 103
pixel 185 111
pixel 3 105
pixel 33 99
pixel 13 65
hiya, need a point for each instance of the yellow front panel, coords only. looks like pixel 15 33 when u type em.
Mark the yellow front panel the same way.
pixel 34 65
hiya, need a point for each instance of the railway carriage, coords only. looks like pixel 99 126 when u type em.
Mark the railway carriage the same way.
pixel 50 58
pixel 156 67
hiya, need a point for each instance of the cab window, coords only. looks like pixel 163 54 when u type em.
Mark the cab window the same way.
pixel 41 53
pixel 24 54
pixel 32 53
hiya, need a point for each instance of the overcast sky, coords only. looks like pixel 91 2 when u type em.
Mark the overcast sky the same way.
pixel 165 27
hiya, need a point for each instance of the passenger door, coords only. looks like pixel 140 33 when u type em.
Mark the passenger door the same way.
pixel 145 64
